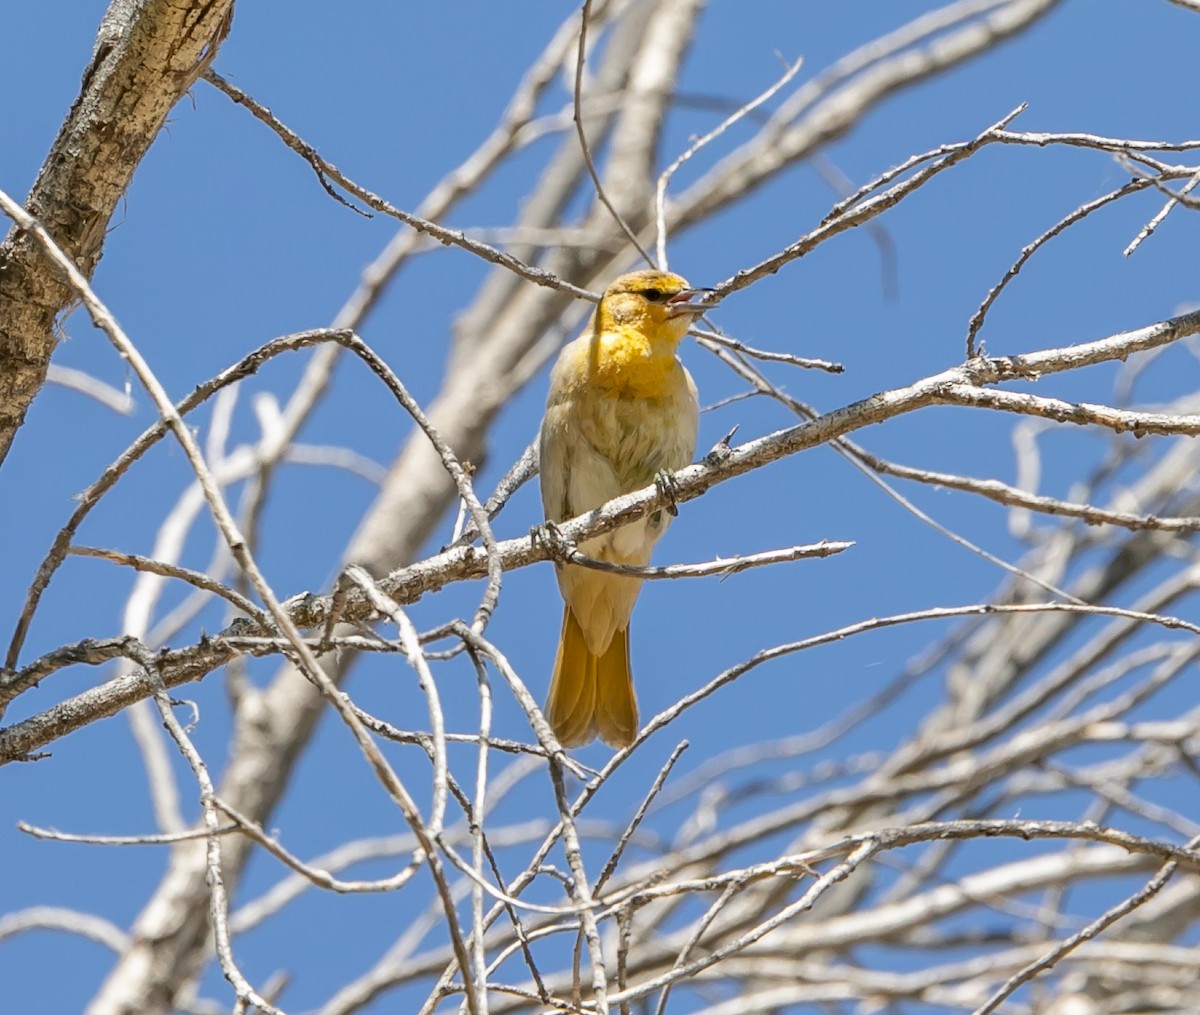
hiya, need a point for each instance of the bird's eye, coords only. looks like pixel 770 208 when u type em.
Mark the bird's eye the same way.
pixel 653 295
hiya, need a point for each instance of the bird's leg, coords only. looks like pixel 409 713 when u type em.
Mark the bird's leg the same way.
pixel 664 482
pixel 551 537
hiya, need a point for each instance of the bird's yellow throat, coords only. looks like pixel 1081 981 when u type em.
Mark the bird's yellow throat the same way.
pixel 625 359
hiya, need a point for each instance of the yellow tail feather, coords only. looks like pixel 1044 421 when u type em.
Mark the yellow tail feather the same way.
pixel 591 694
pixel 616 706
pixel 571 703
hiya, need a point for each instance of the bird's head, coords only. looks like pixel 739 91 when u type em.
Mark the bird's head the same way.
pixel 656 303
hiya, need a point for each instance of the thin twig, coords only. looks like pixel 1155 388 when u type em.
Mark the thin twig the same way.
pixel 584 148
pixel 660 190
pixel 448 237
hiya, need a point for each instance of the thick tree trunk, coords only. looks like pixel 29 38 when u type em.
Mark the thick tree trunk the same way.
pixel 147 54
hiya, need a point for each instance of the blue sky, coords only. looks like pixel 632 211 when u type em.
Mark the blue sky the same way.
pixel 226 240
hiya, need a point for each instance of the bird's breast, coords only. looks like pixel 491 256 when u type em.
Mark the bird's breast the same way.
pixel 641 434
pixel 619 412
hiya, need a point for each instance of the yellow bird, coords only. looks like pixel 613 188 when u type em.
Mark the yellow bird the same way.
pixel 622 409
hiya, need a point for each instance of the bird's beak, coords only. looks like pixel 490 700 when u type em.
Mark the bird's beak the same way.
pixel 681 307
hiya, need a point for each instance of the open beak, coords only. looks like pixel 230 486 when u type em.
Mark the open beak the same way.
pixel 681 307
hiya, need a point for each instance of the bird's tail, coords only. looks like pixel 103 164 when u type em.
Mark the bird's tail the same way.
pixel 591 694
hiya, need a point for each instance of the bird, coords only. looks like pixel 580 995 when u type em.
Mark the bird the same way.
pixel 622 413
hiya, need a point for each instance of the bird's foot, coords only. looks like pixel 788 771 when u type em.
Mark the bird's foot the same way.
pixel 549 535
pixel 664 482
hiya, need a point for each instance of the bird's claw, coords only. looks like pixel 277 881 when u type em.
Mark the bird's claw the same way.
pixel 664 482
pixel 549 535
